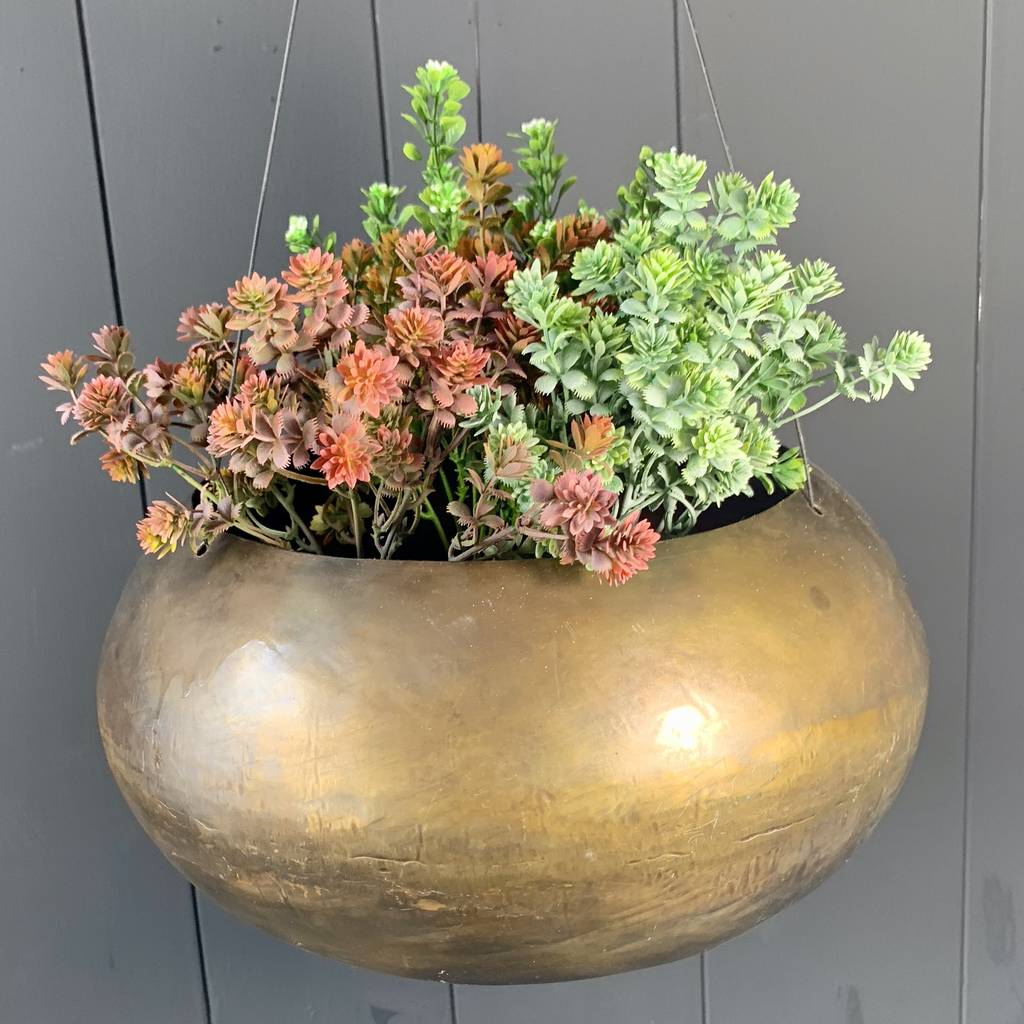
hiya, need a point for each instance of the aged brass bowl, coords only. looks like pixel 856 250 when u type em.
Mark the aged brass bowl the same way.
pixel 506 772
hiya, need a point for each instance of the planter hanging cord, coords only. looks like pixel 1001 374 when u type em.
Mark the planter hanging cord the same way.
pixel 801 443
pixel 261 202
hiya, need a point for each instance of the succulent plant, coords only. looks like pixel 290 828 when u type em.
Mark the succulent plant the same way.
pixel 508 381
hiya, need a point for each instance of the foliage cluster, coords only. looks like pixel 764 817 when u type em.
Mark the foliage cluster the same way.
pixel 505 380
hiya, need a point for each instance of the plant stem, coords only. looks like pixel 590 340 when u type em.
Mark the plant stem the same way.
pixel 357 523
pixel 428 513
pixel 444 483
pixel 302 478
pixel 811 408
pixel 505 534
pixel 289 507
pixel 259 534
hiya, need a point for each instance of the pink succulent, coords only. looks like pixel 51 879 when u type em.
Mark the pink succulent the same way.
pixel 204 323
pixel 413 245
pixel 577 501
pixel 316 275
pixel 64 371
pixel 254 299
pixel 414 332
pixel 624 550
pixel 121 467
pixel 102 401
pixel 396 462
pixel 284 439
pixel 163 527
pixel 344 318
pixel 461 364
pixel 230 427
pixel 366 377
pixel 346 452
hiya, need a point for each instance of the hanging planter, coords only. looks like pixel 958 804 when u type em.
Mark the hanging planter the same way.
pixel 503 770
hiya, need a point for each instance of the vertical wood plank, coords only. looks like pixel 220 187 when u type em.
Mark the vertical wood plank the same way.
pixel 185 92
pixel 94 926
pixel 859 102
pixel 611 82
pixel 995 879
pixel 256 979
pixel 669 994
pixel 609 78
pixel 411 33
pixel 186 154
pixel 329 143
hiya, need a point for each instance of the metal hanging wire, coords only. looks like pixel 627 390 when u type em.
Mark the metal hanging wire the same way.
pixel 261 202
pixel 801 443
pixel 260 205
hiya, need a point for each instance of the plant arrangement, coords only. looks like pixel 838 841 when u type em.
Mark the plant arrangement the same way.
pixel 480 377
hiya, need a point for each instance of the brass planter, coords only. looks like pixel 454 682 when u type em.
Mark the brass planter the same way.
pixel 505 772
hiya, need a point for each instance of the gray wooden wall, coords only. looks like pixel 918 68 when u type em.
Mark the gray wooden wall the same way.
pixel 132 139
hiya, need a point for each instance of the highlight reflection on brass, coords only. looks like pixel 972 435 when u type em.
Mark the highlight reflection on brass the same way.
pixel 505 772
pixel 684 728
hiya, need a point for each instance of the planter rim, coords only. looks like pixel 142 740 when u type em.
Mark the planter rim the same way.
pixel 830 486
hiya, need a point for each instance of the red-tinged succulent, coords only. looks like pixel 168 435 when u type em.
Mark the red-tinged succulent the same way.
pixel 204 323
pixel 255 299
pixel 190 380
pixel 435 278
pixel 414 333
pixel 316 275
pixel 453 371
pixel 263 390
pixel 624 550
pixel 461 364
pixel 413 245
pixel 366 377
pixel 103 401
pixel 164 526
pixel 121 467
pixel 512 335
pixel 287 438
pixel 63 371
pixel 344 319
pixel 396 462
pixel 577 501
pixel 593 436
pixel 230 427
pixel 346 452
pixel 144 433
pixel 114 358
pixel 276 339
pixel 328 408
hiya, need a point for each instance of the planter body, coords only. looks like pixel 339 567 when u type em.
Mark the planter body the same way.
pixel 506 772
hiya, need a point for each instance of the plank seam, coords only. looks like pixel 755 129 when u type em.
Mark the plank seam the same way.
pixel 705 995
pixel 477 72
pixel 203 973
pixel 381 99
pixel 678 74
pixel 101 185
pixel 983 143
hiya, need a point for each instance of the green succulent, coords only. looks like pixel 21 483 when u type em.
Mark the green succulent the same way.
pixel 707 339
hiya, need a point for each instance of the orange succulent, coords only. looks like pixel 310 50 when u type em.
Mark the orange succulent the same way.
pixel 345 451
